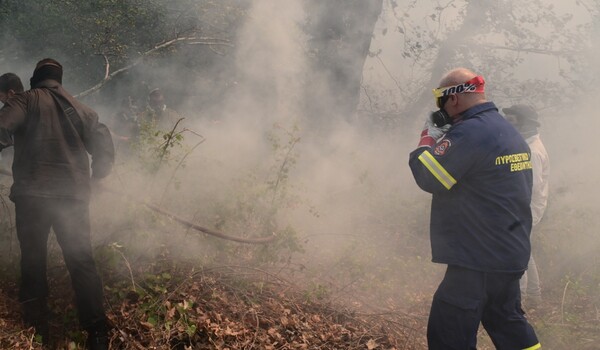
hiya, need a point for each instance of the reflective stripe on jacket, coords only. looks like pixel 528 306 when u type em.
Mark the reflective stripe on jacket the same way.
pixel 480 176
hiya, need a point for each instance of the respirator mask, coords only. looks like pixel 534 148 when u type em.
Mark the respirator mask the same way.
pixel 441 117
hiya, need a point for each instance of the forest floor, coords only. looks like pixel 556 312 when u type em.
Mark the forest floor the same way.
pixel 161 304
pixel 228 307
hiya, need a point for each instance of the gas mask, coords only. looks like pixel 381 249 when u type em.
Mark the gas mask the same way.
pixel 441 117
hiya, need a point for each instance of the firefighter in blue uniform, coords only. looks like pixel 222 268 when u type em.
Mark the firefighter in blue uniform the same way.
pixel 478 169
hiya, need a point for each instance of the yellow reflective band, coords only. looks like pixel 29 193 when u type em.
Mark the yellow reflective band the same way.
pixel 536 346
pixel 437 170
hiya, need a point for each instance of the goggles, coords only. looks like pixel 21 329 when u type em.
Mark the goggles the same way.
pixel 441 94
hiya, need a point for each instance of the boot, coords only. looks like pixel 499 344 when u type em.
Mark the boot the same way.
pixel 98 336
pixel 97 341
pixel 35 314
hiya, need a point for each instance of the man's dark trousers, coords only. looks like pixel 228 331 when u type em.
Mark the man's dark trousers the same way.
pixel 69 218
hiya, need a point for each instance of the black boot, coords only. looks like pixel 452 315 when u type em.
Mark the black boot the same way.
pixel 97 342
pixel 35 314
pixel 98 336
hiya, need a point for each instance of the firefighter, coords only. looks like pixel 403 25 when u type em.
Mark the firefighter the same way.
pixel 53 134
pixel 478 169
pixel 525 119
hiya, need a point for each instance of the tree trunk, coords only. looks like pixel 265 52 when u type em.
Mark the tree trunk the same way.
pixel 473 21
pixel 339 33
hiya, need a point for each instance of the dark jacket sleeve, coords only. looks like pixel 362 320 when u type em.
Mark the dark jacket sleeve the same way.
pixel 441 167
pixel 12 116
pixel 99 144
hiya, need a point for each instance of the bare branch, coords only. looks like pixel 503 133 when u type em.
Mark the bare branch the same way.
pixel 188 40
pixel 106 66
pixel 530 50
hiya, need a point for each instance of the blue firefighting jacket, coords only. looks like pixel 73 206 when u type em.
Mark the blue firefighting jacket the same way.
pixel 480 176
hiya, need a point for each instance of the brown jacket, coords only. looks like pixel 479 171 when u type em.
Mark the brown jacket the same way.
pixel 51 147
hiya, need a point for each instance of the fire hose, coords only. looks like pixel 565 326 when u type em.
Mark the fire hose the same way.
pixel 186 223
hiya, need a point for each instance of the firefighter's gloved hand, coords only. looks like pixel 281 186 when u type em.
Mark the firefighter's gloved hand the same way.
pixel 435 131
pixel 431 133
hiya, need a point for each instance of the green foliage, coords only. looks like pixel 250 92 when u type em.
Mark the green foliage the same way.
pixel 82 34
pixel 117 29
pixel 280 250
pixel 154 310
pixel 155 147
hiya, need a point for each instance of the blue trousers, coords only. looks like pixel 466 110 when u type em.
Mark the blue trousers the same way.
pixel 466 298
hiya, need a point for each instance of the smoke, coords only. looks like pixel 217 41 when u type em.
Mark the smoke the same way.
pixel 533 72
pixel 351 197
pixel 567 235
pixel 347 192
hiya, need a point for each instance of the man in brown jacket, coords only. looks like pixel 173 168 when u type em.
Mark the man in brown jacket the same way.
pixel 53 134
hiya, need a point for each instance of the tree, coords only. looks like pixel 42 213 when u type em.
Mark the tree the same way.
pixel 105 36
pixel 339 36
pixel 503 40
pixel 116 29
